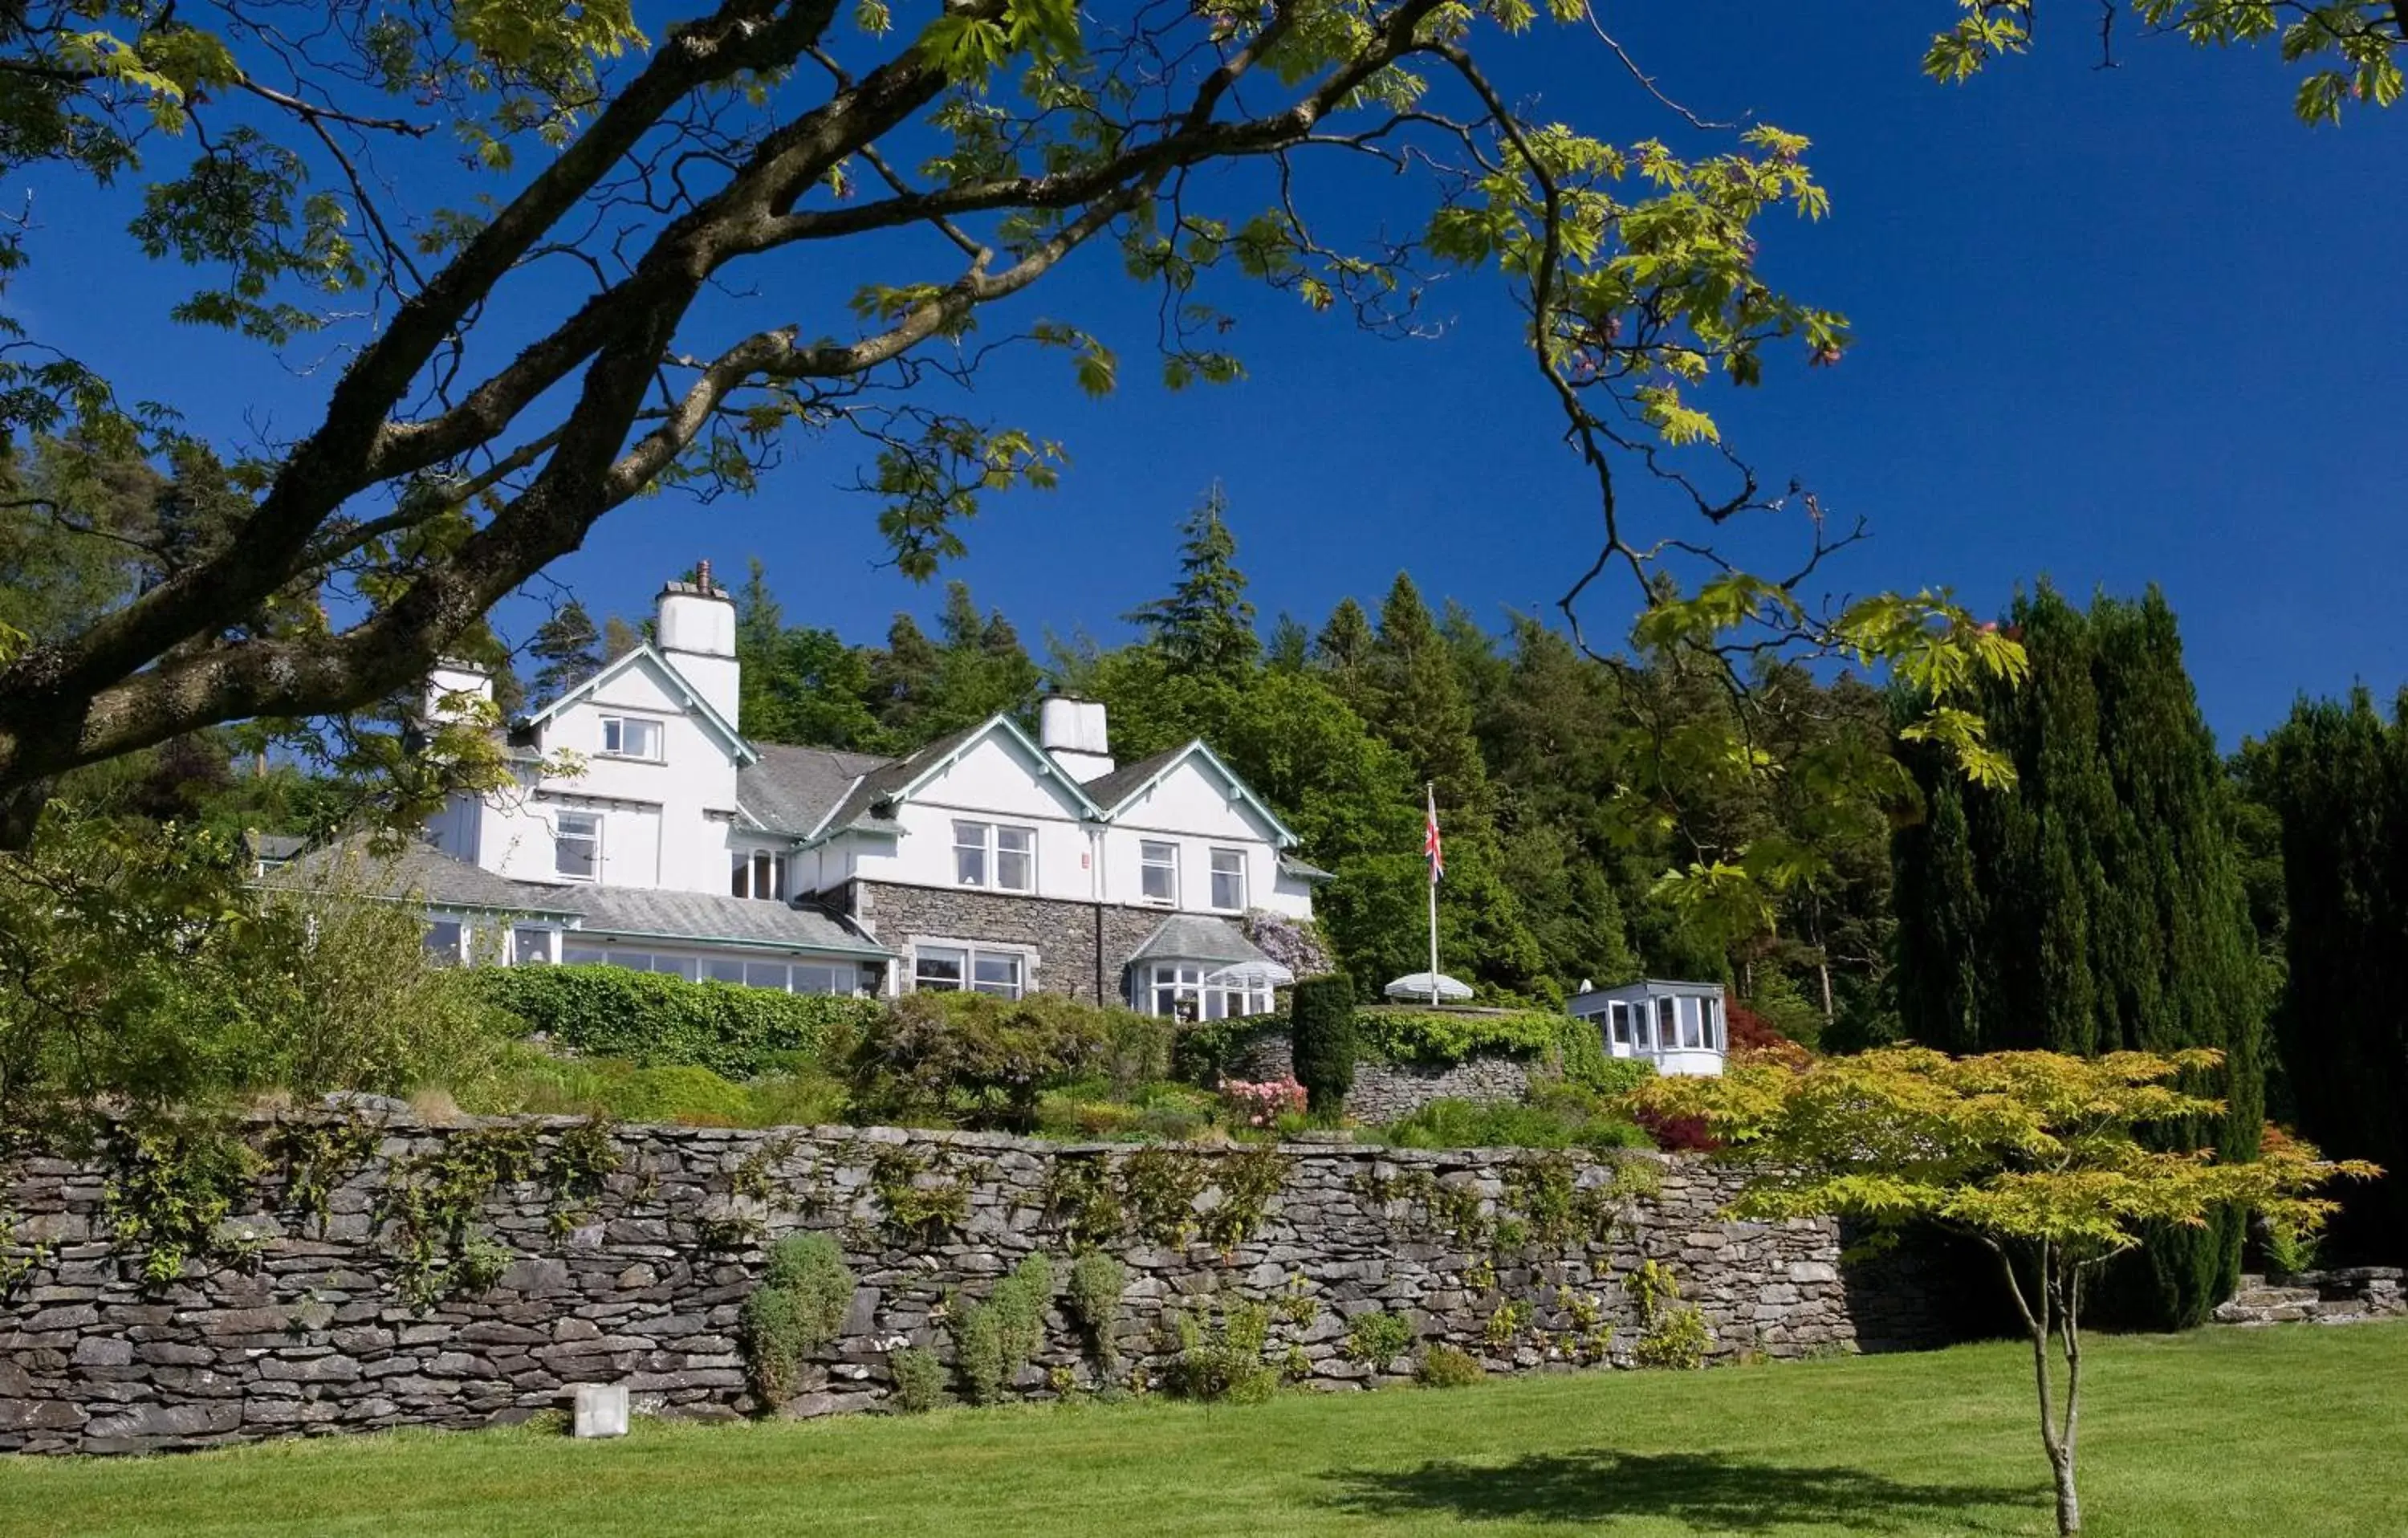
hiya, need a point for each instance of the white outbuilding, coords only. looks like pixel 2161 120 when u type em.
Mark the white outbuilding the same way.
pixel 1679 1026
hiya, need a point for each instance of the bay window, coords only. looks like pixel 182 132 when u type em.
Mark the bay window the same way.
pixel 1157 867
pixel 1179 990
pixel 1229 880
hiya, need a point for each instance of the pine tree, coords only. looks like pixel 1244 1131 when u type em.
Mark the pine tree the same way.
pixel 902 679
pixel 1420 704
pixel 1290 648
pixel 1343 651
pixel 2097 906
pixel 569 649
pixel 1205 625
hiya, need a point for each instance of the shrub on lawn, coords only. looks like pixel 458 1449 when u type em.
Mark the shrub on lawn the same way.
pixel 994 1340
pixel 1443 1366
pixel 919 1379
pixel 1224 1364
pixel 1094 1300
pixel 986 1060
pixel 800 1305
pixel 654 1019
pixel 1321 1028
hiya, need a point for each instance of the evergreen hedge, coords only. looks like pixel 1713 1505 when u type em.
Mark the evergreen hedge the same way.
pixel 656 1020
pixel 1321 1023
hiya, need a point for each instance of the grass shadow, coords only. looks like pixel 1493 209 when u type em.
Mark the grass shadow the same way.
pixel 1718 1494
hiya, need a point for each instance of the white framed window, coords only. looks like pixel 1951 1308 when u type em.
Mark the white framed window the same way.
pixel 1692 1033
pixel 998 856
pixel 582 955
pixel 1712 1010
pixel 631 737
pixel 1157 866
pixel 532 945
pixel 1178 989
pixel 953 969
pixel 756 874
pixel 1618 1015
pixel 577 845
pixel 1639 1024
pixel 938 969
pixel 1229 880
pixel 444 937
pixel 817 977
pixel 1668 1024
pixel 723 969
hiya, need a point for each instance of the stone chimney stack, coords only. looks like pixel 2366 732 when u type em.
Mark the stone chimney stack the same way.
pixel 696 629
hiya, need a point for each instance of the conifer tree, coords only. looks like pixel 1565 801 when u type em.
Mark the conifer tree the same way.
pixel 1343 651
pixel 569 649
pixel 2097 905
pixel 1205 625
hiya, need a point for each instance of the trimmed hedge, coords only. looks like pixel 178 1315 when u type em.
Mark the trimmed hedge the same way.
pixel 1323 1040
pixel 657 1020
pixel 1439 1038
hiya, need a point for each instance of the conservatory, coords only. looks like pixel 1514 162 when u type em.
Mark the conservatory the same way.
pixel 1679 1026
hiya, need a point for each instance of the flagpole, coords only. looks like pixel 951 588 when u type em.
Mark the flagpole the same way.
pixel 1430 791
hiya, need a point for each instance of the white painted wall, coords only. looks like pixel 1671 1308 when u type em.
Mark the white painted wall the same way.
pixel 1193 807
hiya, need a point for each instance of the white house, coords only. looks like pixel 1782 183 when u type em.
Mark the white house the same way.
pixel 988 859
pixel 1679 1026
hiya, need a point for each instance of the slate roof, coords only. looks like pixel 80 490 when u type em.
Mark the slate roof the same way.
pixel 1303 870
pixel 422 873
pixel 1111 790
pixel 891 776
pixel 793 789
pixel 418 870
pixel 1193 937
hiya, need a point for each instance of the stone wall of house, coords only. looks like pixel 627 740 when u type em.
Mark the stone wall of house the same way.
pixel 1384 1091
pixel 626 1256
pixel 1064 934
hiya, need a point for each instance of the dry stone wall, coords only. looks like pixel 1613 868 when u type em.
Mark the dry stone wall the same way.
pixel 329 1300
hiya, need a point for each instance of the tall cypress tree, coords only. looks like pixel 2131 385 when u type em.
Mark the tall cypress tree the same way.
pixel 2336 774
pixel 2097 906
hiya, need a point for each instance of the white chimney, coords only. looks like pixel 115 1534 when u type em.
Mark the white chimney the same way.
pixel 1073 731
pixel 697 632
pixel 450 686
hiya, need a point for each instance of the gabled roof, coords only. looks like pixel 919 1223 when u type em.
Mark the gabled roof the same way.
pixel 792 790
pixel 745 751
pixel 902 778
pixel 1122 787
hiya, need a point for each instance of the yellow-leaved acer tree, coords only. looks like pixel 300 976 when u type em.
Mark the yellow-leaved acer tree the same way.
pixel 2037 1156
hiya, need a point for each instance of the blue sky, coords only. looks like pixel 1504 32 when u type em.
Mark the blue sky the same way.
pixel 2115 328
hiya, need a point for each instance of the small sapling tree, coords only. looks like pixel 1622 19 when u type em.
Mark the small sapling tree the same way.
pixel 2035 1154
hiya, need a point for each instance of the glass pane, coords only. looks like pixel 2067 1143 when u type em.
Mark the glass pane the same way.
pixel 765 974
pixel 681 966
pixel 635 962
pixel 1216 1004
pixel 1228 891
pixel 1158 871
pixel 739 879
pixel 724 971
pixel 1689 1037
pixel 530 947
pixel 644 739
pixel 1639 1024
pixel 938 970
pixel 578 955
pixel 815 979
pixel 998 969
pixel 443 938
pixel 1012 873
pixel 1018 841
pixel 613 737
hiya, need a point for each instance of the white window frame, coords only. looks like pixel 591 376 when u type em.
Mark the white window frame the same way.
pixel 1178 983
pixel 971 952
pixel 744 873
pixel 617 726
pixel 1668 1024
pixel 1146 863
pixel 1214 874
pixel 1641 1031
pixel 984 840
pixel 1711 1012
pixel 1617 1019
pixel 559 835
pixel 543 954
pixel 453 954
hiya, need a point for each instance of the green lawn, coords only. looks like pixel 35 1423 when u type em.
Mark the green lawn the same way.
pixel 2295 1432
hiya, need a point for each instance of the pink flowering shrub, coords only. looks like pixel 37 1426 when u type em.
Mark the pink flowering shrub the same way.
pixel 1262 1105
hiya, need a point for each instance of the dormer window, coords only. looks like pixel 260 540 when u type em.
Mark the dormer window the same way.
pixel 631 737
pixel 757 873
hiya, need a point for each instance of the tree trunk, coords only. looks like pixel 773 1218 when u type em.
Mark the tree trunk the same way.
pixel 2069 1503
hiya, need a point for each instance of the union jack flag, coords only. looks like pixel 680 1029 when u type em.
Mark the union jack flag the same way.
pixel 1430 845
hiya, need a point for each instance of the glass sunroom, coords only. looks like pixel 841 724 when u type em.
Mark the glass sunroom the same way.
pixel 1682 1027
